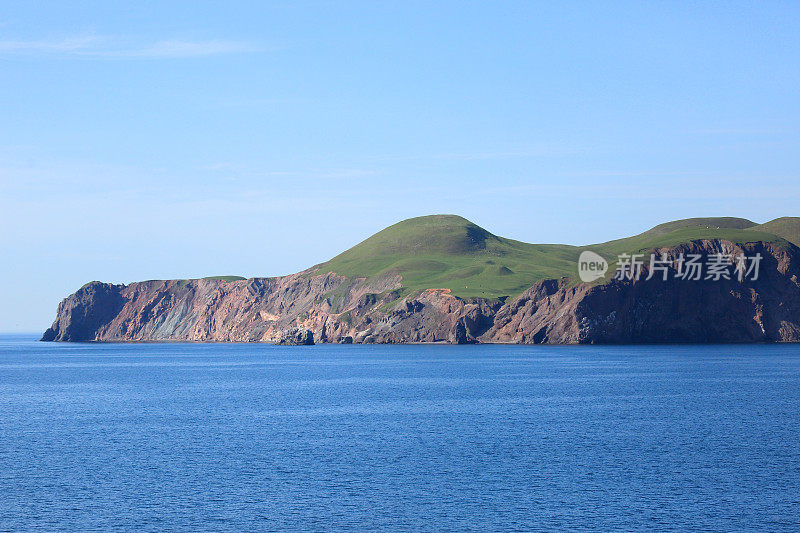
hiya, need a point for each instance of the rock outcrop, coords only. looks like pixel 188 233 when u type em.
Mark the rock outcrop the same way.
pixel 316 307
pixel 296 337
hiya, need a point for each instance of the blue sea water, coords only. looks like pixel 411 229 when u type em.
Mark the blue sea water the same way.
pixel 226 437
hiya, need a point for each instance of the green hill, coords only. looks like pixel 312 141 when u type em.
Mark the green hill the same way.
pixel 701 223
pixel 450 252
pixel 786 227
pixel 739 230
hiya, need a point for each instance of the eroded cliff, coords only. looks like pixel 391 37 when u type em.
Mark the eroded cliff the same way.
pixel 328 307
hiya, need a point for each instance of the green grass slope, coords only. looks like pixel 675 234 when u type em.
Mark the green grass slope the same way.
pixel 701 223
pixel 738 230
pixel 450 252
pixel 786 227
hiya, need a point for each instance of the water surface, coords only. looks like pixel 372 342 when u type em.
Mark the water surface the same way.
pixel 226 437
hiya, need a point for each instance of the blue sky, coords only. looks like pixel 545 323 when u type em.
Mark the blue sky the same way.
pixel 192 139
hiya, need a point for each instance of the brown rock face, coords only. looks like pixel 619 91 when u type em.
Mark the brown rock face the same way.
pixel 324 307
pixel 657 311
pixel 82 314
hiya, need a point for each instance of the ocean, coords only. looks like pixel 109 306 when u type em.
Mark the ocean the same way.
pixel 242 437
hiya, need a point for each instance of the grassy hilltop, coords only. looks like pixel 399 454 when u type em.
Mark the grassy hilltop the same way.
pixel 448 251
pixel 786 227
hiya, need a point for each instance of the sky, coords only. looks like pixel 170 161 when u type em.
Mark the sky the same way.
pixel 187 139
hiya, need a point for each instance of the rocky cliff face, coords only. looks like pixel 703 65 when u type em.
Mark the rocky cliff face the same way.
pixel 313 306
pixel 656 311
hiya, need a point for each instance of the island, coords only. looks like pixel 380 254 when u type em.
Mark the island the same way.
pixel 443 279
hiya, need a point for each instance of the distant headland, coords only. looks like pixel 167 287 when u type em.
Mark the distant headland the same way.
pixel 443 279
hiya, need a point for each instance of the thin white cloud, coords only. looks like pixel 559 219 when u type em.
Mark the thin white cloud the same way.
pixel 178 49
pixel 65 46
pixel 107 48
